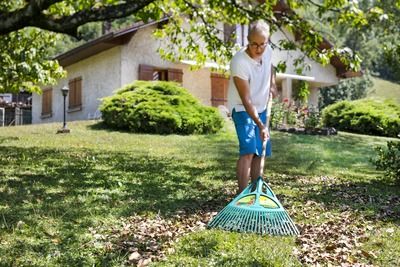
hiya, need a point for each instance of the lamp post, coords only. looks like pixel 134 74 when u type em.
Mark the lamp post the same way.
pixel 64 129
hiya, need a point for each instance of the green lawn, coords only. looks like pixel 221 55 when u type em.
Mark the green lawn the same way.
pixel 383 90
pixel 95 197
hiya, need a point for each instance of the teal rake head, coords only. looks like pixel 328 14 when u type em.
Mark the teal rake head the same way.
pixel 256 209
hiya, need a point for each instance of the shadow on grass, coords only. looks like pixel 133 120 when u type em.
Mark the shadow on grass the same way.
pixel 322 155
pixel 72 182
pixel 101 126
pixel 376 200
pixel 65 192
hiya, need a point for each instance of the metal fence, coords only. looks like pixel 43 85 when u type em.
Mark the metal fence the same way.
pixel 2 116
pixel 15 116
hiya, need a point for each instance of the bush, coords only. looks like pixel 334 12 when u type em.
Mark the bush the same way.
pixel 389 160
pixel 313 118
pixel 277 114
pixel 347 89
pixel 364 116
pixel 283 113
pixel 159 107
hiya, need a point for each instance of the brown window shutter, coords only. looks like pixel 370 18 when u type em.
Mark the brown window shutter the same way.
pixel 146 72
pixel 175 75
pixel 78 91
pixel 71 93
pixel 47 101
pixel 219 89
pixel 75 93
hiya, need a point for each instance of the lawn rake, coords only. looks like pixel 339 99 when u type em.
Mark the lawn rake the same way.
pixel 256 209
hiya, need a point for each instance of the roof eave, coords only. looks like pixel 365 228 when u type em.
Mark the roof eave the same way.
pixel 102 43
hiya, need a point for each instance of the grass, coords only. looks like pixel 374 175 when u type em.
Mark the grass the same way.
pixel 55 189
pixel 383 90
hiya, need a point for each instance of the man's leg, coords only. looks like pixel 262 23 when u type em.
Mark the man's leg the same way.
pixel 243 170
pixel 257 167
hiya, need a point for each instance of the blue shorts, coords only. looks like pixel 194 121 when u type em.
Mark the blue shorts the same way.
pixel 249 134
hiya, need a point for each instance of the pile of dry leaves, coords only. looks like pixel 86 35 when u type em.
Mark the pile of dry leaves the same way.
pixel 149 239
pixel 337 242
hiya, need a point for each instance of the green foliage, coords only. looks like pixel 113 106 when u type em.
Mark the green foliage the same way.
pixel 388 160
pixel 288 114
pixel 302 91
pixel 347 89
pixel 312 119
pixel 364 116
pixel 376 42
pixel 277 114
pixel 193 31
pixel 198 35
pixel 159 107
pixel 24 62
pixel 389 66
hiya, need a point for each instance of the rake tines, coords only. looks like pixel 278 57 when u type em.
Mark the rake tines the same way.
pixel 256 211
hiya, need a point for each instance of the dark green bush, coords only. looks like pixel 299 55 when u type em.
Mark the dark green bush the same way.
pixel 364 116
pixel 159 107
pixel 389 160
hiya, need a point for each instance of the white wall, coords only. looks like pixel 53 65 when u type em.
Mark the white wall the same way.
pixel 142 49
pixel 100 77
pixel 324 75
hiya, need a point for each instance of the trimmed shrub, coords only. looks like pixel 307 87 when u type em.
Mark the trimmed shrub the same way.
pixel 388 160
pixel 364 116
pixel 160 108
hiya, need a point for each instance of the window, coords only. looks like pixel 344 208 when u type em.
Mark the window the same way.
pixel 151 73
pixel 75 94
pixel 47 99
pixel 241 32
pixel 160 75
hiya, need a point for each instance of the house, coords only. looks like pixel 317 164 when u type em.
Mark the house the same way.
pixel 99 67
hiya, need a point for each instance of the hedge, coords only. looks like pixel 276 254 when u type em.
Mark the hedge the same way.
pixel 158 107
pixel 365 116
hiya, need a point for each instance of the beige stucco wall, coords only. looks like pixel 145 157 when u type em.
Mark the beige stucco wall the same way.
pixel 100 76
pixel 142 49
pixel 199 83
pixel 324 75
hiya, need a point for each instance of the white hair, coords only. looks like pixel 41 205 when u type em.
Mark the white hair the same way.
pixel 259 27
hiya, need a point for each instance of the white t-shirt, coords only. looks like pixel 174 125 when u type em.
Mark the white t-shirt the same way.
pixel 258 75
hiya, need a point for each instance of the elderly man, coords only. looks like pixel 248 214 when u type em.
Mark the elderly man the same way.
pixel 251 87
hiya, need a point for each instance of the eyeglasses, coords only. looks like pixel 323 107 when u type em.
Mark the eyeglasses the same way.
pixel 256 46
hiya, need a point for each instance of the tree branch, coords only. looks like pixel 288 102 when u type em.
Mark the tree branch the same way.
pixel 319 6
pixel 32 15
pixel 18 19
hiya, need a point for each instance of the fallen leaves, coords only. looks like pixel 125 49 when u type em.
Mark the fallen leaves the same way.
pixel 150 239
pixel 327 238
pixel 337 242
